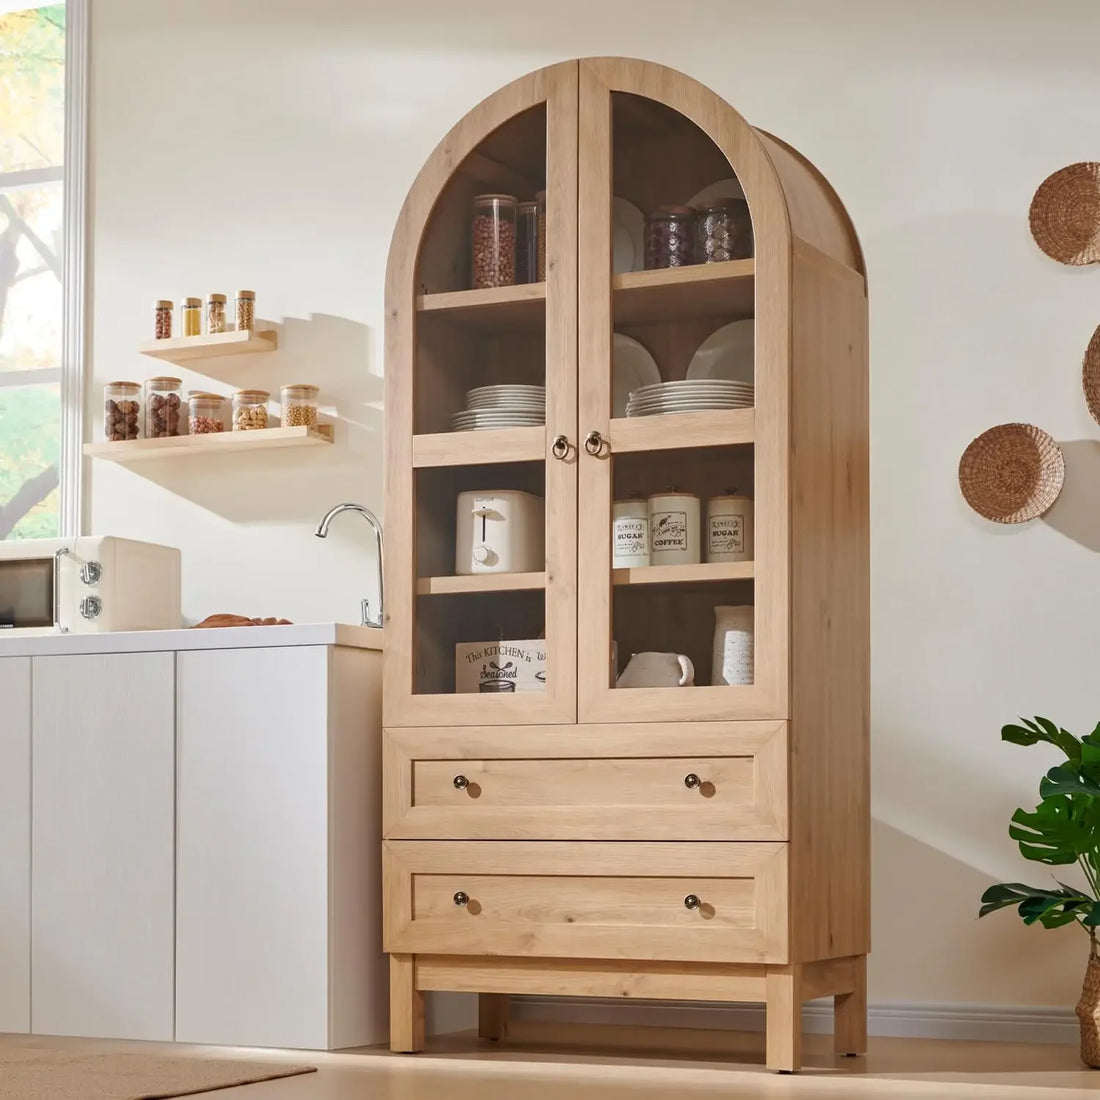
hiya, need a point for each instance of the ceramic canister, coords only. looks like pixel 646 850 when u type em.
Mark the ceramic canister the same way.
pixel 630 534
pixel 673 529
pixel 732 658
pixel 729 529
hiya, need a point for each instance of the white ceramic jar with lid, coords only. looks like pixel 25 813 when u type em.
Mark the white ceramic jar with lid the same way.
pixel 630 534
pixel 674 528
pixel 729 529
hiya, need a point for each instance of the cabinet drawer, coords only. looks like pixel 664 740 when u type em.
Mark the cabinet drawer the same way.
pixel 604 901
pixel 706 781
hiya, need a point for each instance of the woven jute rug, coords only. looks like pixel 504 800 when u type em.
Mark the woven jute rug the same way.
pixel 32 1073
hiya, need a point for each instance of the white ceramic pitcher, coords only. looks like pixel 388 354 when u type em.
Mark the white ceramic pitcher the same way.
pixel 657 670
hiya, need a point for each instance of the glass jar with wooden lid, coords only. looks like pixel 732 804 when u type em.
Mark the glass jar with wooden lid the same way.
pixel 215 313
pixel 299 406
pixel 191 317
pixel 250 410
pixel 205 412
pixel 121 411
pixel 163 397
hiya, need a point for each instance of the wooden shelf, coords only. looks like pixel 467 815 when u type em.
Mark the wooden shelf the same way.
pixel 182 349
pixel 187 446
pixel 500 308
pixel 672 431
pixel 677 293
pixel 479 582
pixel 705 572
pixel 481 447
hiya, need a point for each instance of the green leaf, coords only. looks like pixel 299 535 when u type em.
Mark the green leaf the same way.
pixel 1065 779
pixel 1059 830
pixel 1033 903
pixel 1043 729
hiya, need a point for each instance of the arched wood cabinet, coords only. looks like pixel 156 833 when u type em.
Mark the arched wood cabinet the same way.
pixel 697 843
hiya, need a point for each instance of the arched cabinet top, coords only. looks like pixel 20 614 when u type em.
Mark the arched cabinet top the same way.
pixel 788 197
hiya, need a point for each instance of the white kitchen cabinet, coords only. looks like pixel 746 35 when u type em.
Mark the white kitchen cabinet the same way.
pixel 15 844
pixel 103 729
pixel 278 939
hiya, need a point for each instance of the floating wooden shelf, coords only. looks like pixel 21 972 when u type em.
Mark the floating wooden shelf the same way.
pixel 706 572
pixel 186 446
pixel 671 431
pixel 182 349
pixel 479 582
pixel 500 308
pixel 677 293
pixel 481 447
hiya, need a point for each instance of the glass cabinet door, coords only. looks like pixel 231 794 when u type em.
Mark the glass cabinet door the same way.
pixel 682 570
pixel 481 343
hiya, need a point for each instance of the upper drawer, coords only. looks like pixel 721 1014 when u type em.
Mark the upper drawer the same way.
pixel 705 781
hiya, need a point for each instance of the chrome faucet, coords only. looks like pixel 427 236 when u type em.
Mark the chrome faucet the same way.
pixel 376 527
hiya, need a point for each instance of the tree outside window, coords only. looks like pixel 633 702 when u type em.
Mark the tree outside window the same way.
pixel 32 142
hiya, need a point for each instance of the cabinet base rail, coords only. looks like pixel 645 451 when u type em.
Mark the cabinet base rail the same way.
pixel 782 989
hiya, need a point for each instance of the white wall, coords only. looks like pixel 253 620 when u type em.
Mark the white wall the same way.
pixel 269 143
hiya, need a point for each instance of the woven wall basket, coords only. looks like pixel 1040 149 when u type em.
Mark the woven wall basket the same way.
pixel 1065 214
pixel 1012 473
pixel 1090 376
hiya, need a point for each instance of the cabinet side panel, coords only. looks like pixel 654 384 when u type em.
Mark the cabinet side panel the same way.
pixel 15 844
pixel 252 859
pixel 103 834
pixel 830 611
pixel 358 971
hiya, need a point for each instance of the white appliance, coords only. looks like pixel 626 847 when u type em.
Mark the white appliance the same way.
pixel 88 585
pixel 499 532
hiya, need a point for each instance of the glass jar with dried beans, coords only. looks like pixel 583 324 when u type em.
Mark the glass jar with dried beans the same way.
pixel 121 411
pixel 670 237
pixel 299 406
pixel 250 410
pixel 191 317
pixel 215 313
pixel 206 413
pixel 162 407
pixel 162 319
pixel 493 242
pixel 527 242
pixel 246 310
pixel 724 231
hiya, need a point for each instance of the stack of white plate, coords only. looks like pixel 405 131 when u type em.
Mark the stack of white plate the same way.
pixel 501 407
pixel 691 395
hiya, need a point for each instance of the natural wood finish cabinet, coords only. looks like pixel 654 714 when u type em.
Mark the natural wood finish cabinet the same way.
pixel 547 842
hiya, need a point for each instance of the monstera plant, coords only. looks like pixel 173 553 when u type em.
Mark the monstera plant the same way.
pixel 1062 830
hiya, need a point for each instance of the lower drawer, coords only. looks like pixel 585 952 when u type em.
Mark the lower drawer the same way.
pixel 678 902
pixel 694 781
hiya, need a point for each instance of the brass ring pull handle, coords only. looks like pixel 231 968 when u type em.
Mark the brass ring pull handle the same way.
pixel 594 444
pixel 691 781
pixel 461 898
pixel 560 447
pixel 690 902
pixel 461 782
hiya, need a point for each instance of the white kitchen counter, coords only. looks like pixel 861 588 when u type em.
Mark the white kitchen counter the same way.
pixel 153 641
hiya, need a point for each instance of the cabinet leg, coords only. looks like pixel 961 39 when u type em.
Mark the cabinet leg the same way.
pixel 850 1015
pixel 406 1007
pixel 492 1015
pixel 784 1020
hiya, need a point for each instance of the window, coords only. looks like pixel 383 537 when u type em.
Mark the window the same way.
pixel 41 267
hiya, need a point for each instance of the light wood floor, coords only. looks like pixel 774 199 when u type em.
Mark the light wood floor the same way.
pixel 558 1063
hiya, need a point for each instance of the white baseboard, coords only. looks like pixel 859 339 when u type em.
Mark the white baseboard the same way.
pixel 995 1023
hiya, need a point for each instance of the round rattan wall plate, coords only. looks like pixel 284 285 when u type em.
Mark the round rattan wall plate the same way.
pixel 1090 376
pixel 1012 473
pixel 1065 214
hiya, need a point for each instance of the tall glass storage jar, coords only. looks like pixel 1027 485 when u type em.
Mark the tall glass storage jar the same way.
pixel 206 413
pixel 493 242
pixel 299 406
pixel 527 242
pixel 162 319
pixel 250 410
pixel 246 310
pixel 121 411
pixel 215 313
pixel 162 407
pixel 191 317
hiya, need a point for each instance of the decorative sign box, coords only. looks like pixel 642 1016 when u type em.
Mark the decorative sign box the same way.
pixel 507 666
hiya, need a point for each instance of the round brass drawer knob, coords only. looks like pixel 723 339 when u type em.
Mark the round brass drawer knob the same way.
pixel 692 781
pixel 461 898
pixel 692 902
pixel 461 782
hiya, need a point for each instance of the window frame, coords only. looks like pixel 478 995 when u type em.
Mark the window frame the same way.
pixel 72 175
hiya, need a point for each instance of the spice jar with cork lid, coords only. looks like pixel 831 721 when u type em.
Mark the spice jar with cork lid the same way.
pixel 246 310
pixel 215 313
pixel 121 411
pixel 206 413
pixel 670 237
pixel 299 406
pixel 162 407
pixel 250 410
pixel 493 242
pixel 162 318
pixel 191 317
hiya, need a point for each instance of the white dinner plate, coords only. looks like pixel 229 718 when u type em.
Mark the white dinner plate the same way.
pixel 507 388
pixel 632 367
pixel 726 354
pixel 480 404
pixel 714 192
pixel 627 237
